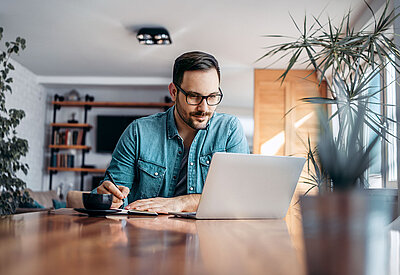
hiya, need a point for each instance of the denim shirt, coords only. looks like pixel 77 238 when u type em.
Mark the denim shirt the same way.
pixel 148 155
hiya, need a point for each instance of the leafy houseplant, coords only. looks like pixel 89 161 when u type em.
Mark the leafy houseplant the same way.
pixel 12 148
pixel 346 60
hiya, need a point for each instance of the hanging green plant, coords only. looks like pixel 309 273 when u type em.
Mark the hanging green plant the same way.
pixel 12 148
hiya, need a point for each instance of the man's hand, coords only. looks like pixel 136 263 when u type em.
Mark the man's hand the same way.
pixel 120 193
pixel 186 203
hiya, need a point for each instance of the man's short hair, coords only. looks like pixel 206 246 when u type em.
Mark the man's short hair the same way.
pixel 193 61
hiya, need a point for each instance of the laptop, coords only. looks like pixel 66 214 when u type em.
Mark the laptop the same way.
pixel 243 186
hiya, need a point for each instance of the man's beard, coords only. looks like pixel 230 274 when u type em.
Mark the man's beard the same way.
pixel 189 121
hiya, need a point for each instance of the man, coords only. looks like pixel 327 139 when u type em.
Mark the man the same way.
pixel 161 161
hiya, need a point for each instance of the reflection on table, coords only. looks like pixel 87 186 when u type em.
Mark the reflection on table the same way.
pixel 66 242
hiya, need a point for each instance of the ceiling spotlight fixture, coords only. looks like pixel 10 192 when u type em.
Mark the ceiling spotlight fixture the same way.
pixel 153 36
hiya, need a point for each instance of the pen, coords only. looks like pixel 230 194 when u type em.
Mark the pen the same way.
pixel 112 180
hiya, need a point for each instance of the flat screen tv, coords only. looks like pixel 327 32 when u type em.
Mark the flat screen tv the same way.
pixel 109 130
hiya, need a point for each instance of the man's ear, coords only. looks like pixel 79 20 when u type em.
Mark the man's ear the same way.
pixel 172 91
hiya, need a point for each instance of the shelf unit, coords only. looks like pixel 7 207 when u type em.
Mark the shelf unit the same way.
pixel 66 147
pixel 89 103
pixel 77 169
pixel 71 125
pixel 113 104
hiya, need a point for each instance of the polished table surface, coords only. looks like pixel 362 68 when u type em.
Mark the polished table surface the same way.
pixel 66 242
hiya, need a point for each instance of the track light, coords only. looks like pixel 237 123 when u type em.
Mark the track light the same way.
pixel 153 36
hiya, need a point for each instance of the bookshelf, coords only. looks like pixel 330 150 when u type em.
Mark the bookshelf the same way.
pixel 65 147
pixel 72 136
pixel 71 125
pixel 113 104
pixel 78 169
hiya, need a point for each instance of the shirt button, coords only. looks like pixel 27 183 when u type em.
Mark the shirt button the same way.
pixel 155 174
pixel 191 164
pixel 191 188
pixel 174 177
pixel 208 162
pixel 180 152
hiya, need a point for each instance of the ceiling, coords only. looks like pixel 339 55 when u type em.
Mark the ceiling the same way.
pixel 96 38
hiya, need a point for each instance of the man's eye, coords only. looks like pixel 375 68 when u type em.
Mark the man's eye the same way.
pixel 194 96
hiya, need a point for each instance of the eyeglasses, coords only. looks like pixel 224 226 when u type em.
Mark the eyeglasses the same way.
pixel 194 99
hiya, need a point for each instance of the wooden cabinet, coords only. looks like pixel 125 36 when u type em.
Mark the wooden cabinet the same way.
pixel 282 123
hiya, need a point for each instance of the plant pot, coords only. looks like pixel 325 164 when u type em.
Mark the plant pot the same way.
pixel 345 233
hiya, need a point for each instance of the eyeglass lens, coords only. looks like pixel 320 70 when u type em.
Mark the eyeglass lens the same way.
pixel 211 99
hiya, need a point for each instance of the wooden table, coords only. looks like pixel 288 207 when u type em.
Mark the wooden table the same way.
pixel 66 242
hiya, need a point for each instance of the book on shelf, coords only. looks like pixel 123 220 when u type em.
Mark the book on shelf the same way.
pixel 68 137
pixel 79 139
pixel 62 160
pixel 75 137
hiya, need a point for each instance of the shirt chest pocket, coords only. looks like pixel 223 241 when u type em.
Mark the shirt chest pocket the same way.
pixel 205 162
pixel 151 177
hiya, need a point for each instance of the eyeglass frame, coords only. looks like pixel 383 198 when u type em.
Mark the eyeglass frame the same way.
pixel 202 96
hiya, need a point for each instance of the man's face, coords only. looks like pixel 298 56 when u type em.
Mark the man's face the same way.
pixel 202 83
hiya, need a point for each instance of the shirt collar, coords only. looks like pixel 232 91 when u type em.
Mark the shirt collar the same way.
pixel 171 126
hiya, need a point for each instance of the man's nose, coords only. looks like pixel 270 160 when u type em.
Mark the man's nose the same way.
pixel 203 106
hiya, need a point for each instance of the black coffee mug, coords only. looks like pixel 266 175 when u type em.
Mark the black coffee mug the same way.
pixel 97 201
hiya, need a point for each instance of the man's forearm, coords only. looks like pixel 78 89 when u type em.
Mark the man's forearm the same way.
pixel 185 203
pixel 190 202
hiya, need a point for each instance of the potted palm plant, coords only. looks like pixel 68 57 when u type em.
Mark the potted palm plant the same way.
pixel 346 60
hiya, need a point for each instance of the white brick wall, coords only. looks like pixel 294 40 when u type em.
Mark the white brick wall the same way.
pixel 30 97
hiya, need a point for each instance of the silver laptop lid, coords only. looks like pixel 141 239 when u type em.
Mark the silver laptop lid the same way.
pixel 242 186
